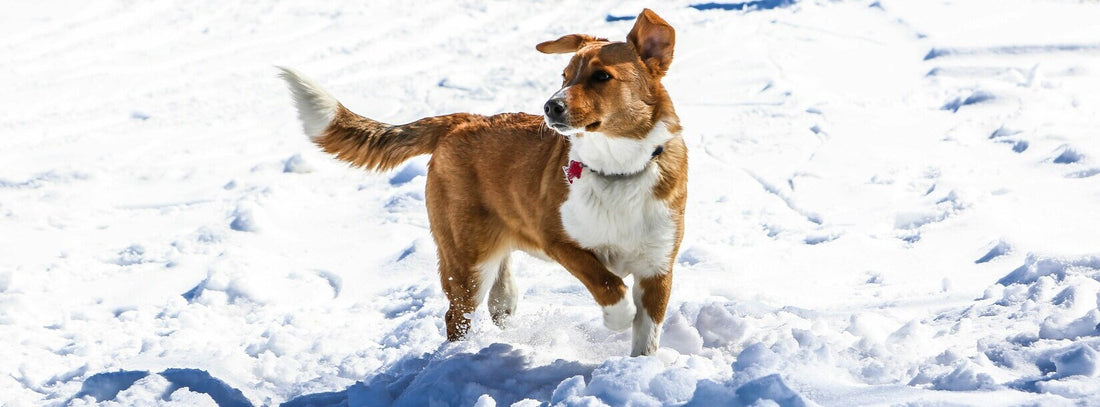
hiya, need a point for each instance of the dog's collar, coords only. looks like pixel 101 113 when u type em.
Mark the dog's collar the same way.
pixel 576 168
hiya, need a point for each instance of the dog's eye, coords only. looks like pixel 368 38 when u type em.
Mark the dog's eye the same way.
pixel 601 76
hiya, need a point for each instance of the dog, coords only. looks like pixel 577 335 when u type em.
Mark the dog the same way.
pixel 495 184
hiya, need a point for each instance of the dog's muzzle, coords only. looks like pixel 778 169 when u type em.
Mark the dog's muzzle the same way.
pixel 554 109
pixel 555 114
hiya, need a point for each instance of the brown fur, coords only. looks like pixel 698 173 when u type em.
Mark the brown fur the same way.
pixel 630 104
pixel 379 146
pixel 495 183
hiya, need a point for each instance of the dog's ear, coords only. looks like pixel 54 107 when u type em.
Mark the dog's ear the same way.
pixel 566 44
pixel 653 39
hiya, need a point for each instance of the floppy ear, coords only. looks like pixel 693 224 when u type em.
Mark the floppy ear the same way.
pixel 566 44
pixel 653 39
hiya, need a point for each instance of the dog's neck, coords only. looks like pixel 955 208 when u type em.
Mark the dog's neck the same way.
pixel 617 156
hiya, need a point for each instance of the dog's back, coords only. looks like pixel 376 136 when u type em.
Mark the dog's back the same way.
pixel 507 170
pixel 508 166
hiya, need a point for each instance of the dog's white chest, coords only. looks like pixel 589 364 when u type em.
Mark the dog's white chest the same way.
pixel 617 217
pixel 621 221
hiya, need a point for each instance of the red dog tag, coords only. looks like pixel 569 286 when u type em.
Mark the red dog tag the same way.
pixel 573 171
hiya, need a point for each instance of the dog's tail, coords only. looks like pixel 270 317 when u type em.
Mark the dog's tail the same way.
pixel 358 140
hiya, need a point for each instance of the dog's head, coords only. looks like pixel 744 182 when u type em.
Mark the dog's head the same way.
pixel 613 88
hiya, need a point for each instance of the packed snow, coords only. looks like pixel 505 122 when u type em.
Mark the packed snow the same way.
pixel 891 202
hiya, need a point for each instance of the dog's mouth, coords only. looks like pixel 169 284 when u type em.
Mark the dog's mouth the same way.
pixel 563 128
pixel 566 129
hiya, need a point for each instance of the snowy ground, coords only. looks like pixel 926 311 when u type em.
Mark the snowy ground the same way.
pixel 891 202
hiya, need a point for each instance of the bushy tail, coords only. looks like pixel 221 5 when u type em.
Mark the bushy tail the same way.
pixel 356 139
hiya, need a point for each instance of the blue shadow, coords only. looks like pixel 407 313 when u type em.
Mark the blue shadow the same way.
pixel 200 381
pixel 748 5
pixel 610 18
pixel 106 386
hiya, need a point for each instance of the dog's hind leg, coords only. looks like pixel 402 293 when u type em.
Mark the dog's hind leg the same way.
pixel 502 297
pixel 461 287
pixel 466 286
pixel 471 251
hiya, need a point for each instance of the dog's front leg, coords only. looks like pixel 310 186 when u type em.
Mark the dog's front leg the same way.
pixel 607 289
pixel 651 298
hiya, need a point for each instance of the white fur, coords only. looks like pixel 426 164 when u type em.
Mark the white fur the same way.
pixel 616 155
pixel 488 271
pixel 619 219
pixel 647 332
pixel 618 316
pixel 504 294
pixel 316 108
pixel 561 94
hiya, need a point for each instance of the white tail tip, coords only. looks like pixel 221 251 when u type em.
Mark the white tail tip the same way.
pixel 316 108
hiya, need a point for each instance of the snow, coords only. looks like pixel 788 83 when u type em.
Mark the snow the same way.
pixel 173 387
pixel 1078 360
pixel 891 202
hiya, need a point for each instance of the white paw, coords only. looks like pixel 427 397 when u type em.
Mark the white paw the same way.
pixel 619 316
pixel 647 336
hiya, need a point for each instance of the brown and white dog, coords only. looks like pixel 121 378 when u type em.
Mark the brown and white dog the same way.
pixel 495 183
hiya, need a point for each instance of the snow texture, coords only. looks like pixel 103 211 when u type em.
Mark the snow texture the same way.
pixel 890 203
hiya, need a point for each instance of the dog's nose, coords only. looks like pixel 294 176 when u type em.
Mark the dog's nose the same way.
pixel 554 109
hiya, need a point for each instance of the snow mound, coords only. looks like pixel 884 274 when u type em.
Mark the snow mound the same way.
pixel 769 388
pixel 502 372
pixel 965 377
pixel 1039 266
pixel 1078 360
pixel 248 217
pixel 297 164
pixel 506 375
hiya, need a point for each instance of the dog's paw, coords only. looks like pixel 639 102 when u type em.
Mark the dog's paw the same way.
pixel 619 316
